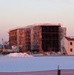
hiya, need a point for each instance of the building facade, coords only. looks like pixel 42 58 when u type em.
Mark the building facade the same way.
pixel 69 45
pixel 47 37
pixel 20 37
pixel 38 37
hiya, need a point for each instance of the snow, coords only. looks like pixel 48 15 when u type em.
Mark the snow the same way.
pixel 28 64
pixel 19 55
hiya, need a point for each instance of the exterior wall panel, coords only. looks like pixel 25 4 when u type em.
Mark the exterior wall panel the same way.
pixel 36 36
pixel 68 46
pixel 21 38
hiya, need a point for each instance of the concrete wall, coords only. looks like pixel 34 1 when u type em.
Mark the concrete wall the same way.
pixel 20 37
pixel 36 38
pixel 13 37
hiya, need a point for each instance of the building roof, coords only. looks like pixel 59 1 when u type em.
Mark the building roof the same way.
pixel 46 24
pixel 70 38
pixel 32 25
pixel 18 28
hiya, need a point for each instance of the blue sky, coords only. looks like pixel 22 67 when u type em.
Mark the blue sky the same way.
pixel 17 13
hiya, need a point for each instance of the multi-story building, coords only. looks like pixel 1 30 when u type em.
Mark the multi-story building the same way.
pixel 38 37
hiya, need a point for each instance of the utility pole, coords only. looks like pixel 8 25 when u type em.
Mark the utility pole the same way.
pixel 3 44
pixel 59 71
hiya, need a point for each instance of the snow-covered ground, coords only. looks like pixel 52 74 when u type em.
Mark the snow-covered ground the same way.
pixel 28 64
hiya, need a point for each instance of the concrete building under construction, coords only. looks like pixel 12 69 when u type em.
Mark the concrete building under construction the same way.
pixel 38 37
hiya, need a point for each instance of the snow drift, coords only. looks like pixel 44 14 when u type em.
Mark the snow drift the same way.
pixel 19 55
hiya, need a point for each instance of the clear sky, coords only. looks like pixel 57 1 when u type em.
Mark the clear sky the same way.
pixel 17 13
